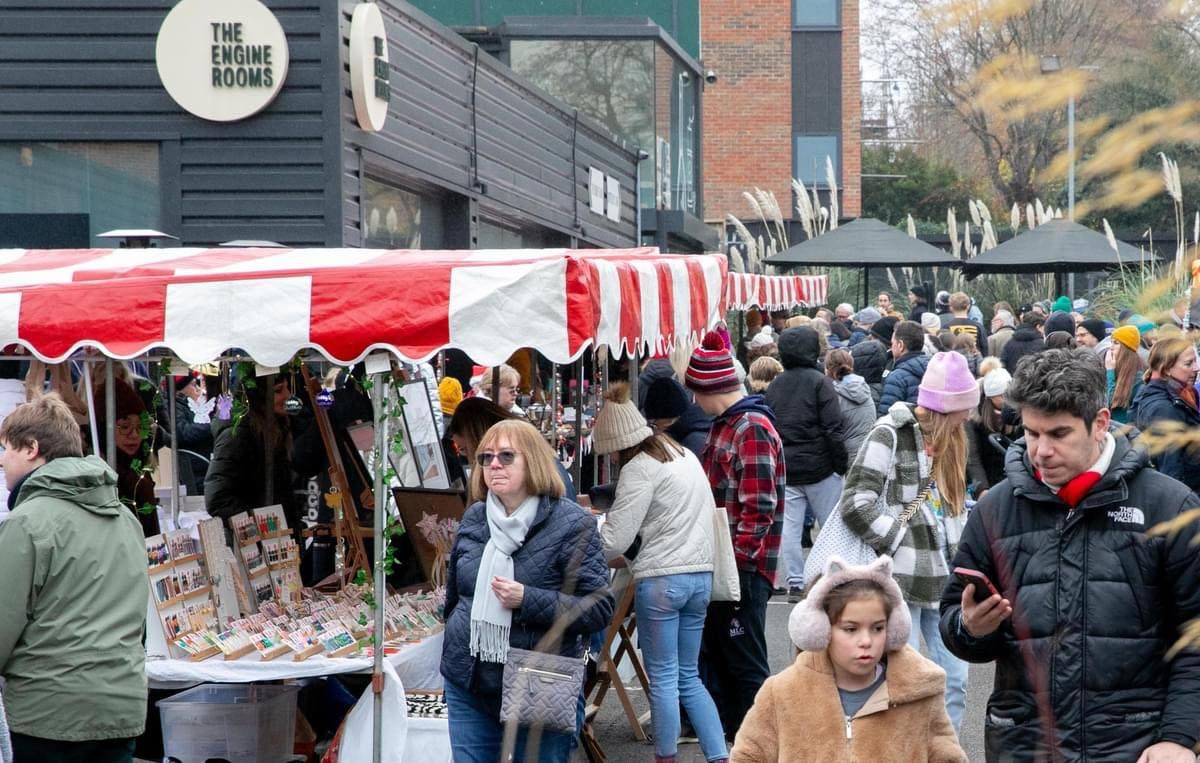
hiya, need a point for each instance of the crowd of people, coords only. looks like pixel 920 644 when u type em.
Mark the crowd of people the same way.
pixel 917 484
pixel 927 488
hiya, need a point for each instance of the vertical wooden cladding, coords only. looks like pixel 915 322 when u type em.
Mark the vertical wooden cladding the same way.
pixel 83 70
pixel 451 105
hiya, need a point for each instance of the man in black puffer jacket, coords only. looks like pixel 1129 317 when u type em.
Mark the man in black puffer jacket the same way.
pixel 1092 600
pixel 871 355
pixel 1026 340
pixel 809 421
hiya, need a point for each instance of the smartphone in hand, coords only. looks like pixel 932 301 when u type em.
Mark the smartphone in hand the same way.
pixel 983 587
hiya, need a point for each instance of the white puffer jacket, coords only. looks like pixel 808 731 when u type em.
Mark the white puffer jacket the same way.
pixel 671 507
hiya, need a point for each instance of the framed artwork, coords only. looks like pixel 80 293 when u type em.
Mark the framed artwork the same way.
pixel 417 505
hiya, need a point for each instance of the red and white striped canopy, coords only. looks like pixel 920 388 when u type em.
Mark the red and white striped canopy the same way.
pixel 345 303
pixel 747 290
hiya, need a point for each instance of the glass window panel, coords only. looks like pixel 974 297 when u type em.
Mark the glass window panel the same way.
pixel 115 184
pixel 391 216
pixel 610 80
pixel 809 159
pixel 684 137
pixel 815 13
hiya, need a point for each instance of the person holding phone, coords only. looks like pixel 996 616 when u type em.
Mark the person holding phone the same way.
pixel 1089 598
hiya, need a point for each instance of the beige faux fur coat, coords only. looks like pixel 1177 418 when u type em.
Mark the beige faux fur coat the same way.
pixel 797 717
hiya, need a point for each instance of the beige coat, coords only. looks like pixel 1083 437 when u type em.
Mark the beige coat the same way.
pixel 797 717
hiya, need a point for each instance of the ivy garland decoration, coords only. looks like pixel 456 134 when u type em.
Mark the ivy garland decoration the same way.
pixel 393 410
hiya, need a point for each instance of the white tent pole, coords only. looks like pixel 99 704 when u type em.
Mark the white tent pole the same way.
pixel 171 392
pixel 110 414
pixel 91 407
pixel 379 399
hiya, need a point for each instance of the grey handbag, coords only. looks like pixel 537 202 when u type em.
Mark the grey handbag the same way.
pixel 541 689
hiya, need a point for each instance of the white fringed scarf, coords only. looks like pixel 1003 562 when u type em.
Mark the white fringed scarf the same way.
pixel 491 622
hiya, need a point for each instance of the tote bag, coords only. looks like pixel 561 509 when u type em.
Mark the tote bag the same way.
pixel 725 585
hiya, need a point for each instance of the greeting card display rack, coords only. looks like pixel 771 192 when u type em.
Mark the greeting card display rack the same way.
pixel 182 591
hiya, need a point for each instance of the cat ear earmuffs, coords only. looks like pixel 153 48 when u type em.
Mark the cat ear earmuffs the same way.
pixel 809 626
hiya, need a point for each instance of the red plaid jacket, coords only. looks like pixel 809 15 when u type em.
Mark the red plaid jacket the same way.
pixel 743 458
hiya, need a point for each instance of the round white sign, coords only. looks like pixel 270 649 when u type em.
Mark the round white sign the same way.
pixel 221 60
pixel 369 68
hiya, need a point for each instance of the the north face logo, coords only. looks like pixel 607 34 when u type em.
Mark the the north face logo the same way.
pixel 1128 515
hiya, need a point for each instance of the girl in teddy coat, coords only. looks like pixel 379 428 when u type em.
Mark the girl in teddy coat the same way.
pixel 857 692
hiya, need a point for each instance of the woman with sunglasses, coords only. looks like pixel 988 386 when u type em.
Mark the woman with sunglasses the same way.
pixel 663 497
pixel 525 559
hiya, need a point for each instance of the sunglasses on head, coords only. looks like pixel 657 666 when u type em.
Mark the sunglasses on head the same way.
pixel 505 457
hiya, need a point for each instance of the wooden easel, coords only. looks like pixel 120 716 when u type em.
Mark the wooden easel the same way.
pixel 347 528
pixel 622 627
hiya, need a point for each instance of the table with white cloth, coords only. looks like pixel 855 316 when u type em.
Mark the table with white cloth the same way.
pixel 416 664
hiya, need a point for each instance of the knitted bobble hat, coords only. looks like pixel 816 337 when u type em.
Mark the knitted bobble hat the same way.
pixel 1063 305
pixel 809 624
pixel 619 424
pixel 1128 336
pixel 711 371
pixel 948 384
pixel 930 322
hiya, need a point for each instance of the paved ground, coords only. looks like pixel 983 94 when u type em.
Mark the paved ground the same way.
pixel 615 737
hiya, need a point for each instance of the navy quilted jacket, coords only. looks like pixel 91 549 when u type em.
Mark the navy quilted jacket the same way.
pixel 562 567
pixel 902 383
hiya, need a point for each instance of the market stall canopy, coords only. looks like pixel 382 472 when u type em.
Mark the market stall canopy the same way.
pixel 863 243
pixel 1058 246
pixel 346 303
pixel 747 290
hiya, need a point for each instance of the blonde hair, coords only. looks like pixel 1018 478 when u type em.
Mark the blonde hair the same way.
pixel 541 465
pixel 989 364
pixel 762 372
pixel 949 444
pixel 681 356
pixel 797 321
pixel 509 377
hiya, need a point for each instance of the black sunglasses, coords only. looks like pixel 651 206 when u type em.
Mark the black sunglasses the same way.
pixel 505 457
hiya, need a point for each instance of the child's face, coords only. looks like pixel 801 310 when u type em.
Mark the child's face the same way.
pixel 858 637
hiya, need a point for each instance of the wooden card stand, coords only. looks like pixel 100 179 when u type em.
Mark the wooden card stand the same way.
pixel 239 652
pixel 213 652
pixel 274 652
pixel 312 651
pixel 345 651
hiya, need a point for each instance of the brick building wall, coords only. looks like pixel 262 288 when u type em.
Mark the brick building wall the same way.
pixel 851 202
pixel 748 118
pixel 748 112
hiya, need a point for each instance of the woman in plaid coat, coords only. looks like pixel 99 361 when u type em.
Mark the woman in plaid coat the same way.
pixel 919 451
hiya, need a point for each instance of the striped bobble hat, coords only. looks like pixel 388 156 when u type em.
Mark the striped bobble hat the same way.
pixel 711 371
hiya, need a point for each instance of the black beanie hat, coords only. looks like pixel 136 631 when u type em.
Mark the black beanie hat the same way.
pixel 1060 321
pixel 883 328
pixel 1096 328
pixel 665 399
pixel 920 293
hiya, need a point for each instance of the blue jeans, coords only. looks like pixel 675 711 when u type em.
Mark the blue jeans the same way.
pixel 476 733
pixel 925 623
pixel 801 501
pixel 670 615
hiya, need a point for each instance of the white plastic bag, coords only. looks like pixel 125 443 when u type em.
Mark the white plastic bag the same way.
pixel 356 737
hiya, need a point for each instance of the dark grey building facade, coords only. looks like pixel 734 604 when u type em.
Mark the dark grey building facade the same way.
pixel 471 154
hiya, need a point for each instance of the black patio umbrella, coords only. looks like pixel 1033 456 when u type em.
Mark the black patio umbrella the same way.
pixel 1059 246
pixel 864 243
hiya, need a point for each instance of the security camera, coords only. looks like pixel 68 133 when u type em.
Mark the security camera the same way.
pixel 710 76
pixel 684 77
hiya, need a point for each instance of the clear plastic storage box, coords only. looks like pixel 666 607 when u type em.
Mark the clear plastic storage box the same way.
pixel 242 723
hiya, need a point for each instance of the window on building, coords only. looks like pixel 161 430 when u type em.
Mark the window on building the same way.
pixel 391 216
pixel 808 163
pixel 115 185
pixel 820 14
pixel 636 89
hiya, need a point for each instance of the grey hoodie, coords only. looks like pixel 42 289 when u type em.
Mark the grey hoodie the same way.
pixel 858 411
pixel 73 596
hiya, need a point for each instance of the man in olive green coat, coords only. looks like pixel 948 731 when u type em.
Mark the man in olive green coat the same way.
pixel 72 598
